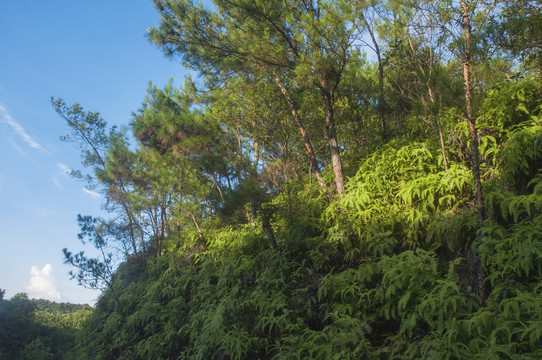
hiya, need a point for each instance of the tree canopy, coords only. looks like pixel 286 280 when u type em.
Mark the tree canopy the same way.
pixel 346 179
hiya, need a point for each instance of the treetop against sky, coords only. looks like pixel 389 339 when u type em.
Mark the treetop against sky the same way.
pixel 92 53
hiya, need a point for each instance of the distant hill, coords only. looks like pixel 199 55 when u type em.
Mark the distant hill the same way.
pixel 55 307
pixel 39 328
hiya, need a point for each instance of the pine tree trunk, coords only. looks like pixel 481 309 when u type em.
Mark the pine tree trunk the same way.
pixel 200 233
pixel 266 225
pixel 217 185
pixel 332 139
pixel 302 130
pixel 470 117
pixel 476 271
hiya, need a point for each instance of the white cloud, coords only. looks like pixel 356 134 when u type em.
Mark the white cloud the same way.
pixel 64 171
pixel 57 183
pixel 64 168
pixel 91 193
pixel 43 284
pixel 19 130
pixel 18 148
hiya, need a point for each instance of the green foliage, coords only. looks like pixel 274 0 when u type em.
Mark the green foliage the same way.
pixel 39 329
pixel 520 33
pixel 522 158
pixel 16 325
pixel 395 198
pixel 243 300
pixel 232 247
pixel 380 272
pixel 36 350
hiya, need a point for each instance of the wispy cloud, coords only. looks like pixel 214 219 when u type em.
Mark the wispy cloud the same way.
pixel 43 283
pixel 92 193
pixel 57 183
pixel 18 148
pixel 64 172
pixel 19 130
pixel 64 168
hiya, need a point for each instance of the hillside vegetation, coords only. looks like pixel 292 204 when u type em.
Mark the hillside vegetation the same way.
pixel 346 180
pixel 37 329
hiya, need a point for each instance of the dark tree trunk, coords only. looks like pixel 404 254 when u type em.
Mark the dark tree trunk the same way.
pixel 476 271
pixel 332 138
pixel 303 131
pixel 266 225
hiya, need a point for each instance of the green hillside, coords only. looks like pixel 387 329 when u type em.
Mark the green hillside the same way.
pixel 37 329
pixel 345 180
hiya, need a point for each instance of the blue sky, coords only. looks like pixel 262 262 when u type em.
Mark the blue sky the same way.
pixel 91 52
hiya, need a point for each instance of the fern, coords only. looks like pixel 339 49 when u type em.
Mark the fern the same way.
pixel 396 194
